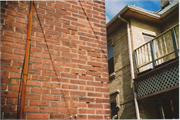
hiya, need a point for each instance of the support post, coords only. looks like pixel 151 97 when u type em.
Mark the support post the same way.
pixel 26 62
pixel 174 42
pixel 137 71
pixel 152 53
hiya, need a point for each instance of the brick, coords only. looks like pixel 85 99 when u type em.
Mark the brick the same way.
pixel 9 44
pixel 95 117
pixel 49 109
pixel 10 81
pixel 3 100
pixel 10 115
pixel 67 86
pixel 59 116
pixel 9 12
pixel 50 97
pixel 13 88
pixel 31 109
pixel 41 78
pixel 68 110
pixel 62 69
pixel 7 38
pixel 8 17
pixel 102 90
pixel 94 83
pixel 63 12
pixel 86 88
pixel 69 98
pixel 84 99
pixel 93 73
pixel 94 64
pixel 78 71
pixel 62 80
pixel 87 111
pixel 40 90
pixel 5 61
pixel 78 82
pixel 13 34
pixel 85 77
pixel 8 107
pixel 59 91
pixel 59 104
pixel 33 96
pixel 91 94
pixel 69 65
pixel 99 100
pixel 63 4
pixel 87 67
pixel 9 94
pixel 15 3
pixel 4 74
pixel 71 45
pixel 77 93
pixel 10 23
pixel 3 87
pixel 78 61
pixel 76 104
pixel 94 54
pixel 103 112
pixel 94 105
pixel 33 83
pixel 38 116
pixel 68 75
pixel 40 66
pixel 39 102
pixel 46 8
pixel 15 75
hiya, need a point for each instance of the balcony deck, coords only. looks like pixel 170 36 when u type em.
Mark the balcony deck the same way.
pixel 157 64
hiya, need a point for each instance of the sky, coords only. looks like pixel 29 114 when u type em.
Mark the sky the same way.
pixel 113 7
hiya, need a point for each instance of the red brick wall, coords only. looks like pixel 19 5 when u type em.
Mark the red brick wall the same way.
pixel 68 67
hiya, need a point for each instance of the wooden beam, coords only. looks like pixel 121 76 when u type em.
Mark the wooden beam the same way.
pixel 161 91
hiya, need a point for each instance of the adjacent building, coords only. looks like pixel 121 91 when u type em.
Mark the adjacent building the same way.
pixel 143 57
pixel 68 68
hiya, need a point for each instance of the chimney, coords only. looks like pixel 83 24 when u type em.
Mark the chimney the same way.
pixel 163 2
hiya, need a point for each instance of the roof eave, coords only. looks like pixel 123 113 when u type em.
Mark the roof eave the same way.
pixel 135 9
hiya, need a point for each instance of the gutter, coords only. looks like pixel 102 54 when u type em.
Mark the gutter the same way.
pixel 134 9
pixel 26 61
pixel 131 65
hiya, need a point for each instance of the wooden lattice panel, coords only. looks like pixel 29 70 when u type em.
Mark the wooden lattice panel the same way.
pixel 160 81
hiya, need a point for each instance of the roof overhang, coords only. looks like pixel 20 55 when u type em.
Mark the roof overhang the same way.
pixel 134 11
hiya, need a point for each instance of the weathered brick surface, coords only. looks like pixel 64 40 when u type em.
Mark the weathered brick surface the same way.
pixel 68 64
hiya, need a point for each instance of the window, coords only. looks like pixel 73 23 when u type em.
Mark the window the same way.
pixel 110 59
pixel 147 52
pixel 147 38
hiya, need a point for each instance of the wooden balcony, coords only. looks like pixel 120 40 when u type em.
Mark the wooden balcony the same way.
pixel 157 64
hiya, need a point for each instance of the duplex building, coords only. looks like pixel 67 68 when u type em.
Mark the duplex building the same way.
pixel 143 56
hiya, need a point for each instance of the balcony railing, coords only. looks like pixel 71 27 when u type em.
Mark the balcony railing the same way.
pixel 159 50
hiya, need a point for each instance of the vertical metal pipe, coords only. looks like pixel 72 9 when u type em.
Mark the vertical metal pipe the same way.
pixel 26 61
pixel 131 65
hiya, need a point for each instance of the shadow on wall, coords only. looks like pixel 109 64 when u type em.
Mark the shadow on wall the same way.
pixel 122 80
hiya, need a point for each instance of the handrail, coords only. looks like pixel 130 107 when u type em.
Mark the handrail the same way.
pixel 157 36
pixel 158 48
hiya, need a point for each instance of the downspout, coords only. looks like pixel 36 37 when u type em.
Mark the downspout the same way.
pixel 131 65
pixel 26 62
